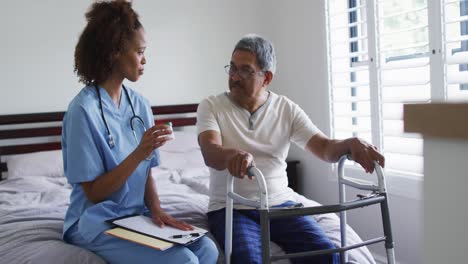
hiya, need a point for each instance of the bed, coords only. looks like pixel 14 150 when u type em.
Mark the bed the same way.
pixel 34 194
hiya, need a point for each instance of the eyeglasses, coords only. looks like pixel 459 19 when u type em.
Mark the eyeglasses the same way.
pixel 243 73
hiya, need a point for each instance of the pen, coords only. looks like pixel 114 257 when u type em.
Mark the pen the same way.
pixel 184 235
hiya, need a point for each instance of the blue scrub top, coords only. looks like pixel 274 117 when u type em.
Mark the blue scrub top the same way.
pixel 87 155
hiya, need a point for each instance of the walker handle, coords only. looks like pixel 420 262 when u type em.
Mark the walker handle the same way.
pixel 360 184
pixel 258 175
pixel 231 196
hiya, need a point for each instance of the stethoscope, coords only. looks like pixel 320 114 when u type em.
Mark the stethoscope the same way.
pixel 133 119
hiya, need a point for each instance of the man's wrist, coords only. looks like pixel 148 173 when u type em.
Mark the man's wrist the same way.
pixel 349 144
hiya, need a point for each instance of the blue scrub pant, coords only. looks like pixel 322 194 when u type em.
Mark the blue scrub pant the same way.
pixel 292 234
pixel 116 250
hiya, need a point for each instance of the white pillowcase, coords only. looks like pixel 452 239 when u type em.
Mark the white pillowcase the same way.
pixel 43 163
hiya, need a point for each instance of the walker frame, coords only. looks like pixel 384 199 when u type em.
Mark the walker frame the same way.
pixel 378 196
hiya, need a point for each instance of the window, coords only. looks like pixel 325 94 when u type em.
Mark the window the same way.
pixel 455 43
pixel 383 54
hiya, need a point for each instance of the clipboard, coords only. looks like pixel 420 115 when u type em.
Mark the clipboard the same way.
pixel 139 238
pixel 144 227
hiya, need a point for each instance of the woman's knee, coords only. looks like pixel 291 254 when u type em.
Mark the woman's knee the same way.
pixel 205 249
pixel 183 255
pixel 210 247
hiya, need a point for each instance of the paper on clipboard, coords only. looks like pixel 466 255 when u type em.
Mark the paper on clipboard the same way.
pixel 144 225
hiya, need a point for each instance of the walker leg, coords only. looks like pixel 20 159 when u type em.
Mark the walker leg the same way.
pixel 343 255
pixel 343 222
pixel 389 244
pixel 228 231
pixel 265 232
pixel 391 256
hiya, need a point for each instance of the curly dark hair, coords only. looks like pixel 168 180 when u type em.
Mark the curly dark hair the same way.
pixel 111 26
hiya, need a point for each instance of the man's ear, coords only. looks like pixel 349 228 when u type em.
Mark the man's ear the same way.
pixel 268 78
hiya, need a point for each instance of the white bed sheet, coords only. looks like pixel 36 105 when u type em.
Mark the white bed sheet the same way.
pixel 32 209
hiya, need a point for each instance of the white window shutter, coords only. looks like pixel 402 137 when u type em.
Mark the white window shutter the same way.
pixel 349 69
pixel 379 60
pixel 386 53
pixel 455 46
pixel 405 78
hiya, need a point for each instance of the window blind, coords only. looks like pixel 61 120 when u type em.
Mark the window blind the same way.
pixel 379 60
pixel 404 68
pixel 455 45
pixel 349 69
pixel 383 54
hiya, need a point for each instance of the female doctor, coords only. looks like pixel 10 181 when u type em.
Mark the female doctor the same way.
pixel 107 152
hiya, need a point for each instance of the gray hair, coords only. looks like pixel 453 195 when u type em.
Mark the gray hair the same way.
pixel 263 50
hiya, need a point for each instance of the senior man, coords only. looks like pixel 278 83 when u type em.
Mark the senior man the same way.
pixel 251 125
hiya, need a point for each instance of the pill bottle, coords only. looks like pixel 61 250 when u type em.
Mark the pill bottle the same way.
pixel 171 136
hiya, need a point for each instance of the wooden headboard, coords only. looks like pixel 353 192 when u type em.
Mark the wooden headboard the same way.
pixel 9 130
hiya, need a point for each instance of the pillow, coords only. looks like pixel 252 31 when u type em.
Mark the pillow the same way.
pixel 183 142
pixel 43 163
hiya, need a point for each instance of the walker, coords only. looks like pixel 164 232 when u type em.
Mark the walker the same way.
pixel 378 195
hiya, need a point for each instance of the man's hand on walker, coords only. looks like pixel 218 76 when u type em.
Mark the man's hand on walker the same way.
pixel 237 165
pixel 365 154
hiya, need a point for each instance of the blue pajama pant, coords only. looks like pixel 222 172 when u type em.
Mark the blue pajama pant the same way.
pixel 116 250
pixel 292 234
